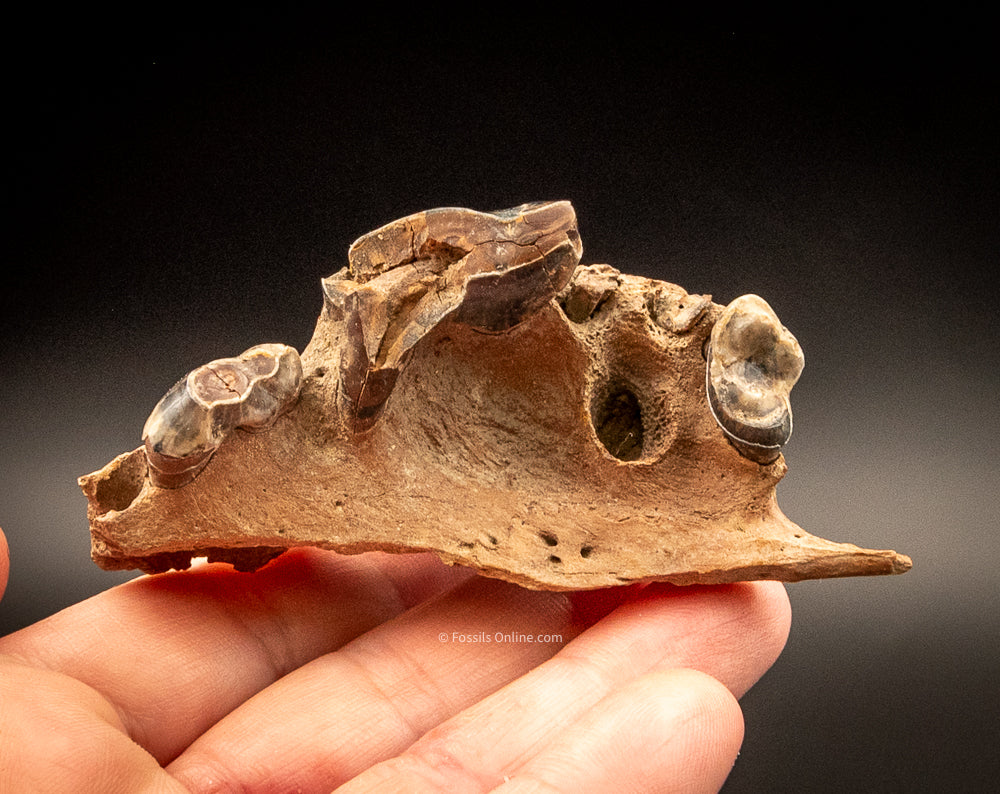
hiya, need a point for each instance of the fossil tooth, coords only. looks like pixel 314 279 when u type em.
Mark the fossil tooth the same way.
pixel 486 270
pixel 752 364
pixel 471 391
pixel 193 418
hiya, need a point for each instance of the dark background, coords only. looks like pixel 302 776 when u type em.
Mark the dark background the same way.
pixel 177 191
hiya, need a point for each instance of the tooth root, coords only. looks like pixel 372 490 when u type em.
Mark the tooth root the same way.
pixel 753 363
pixel 192 419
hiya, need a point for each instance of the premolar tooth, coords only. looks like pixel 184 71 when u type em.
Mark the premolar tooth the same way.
pixel 753 363
pixel 192 419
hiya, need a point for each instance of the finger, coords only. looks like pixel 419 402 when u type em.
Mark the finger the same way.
pixel 333 718
pixel 676 730
pixel 175 653
pixel 732 633
pixel 371 700
pixel 59 735
pixel 4 563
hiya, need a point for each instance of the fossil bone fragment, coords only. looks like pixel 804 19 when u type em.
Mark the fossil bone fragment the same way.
pixel 471 390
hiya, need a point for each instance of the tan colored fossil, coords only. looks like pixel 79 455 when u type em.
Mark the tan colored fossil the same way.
pixel 470 390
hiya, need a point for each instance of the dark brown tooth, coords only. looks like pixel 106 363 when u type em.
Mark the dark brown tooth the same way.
pixel 487 270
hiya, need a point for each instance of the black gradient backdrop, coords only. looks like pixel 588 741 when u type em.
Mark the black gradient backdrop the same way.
pixel 176 195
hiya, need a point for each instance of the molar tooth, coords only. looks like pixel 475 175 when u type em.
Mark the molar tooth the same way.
pixel 192 419
pixel 753 363
pixel 487 270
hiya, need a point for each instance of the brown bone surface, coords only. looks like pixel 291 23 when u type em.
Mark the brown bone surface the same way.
pixel 470 390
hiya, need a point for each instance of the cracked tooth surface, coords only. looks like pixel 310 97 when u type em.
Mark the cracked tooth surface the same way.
pixel 192 419
pixel 487 270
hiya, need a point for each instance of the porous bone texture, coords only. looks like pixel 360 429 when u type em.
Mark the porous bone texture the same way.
pixel 561 439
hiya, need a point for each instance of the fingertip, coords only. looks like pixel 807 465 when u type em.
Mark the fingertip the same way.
pixel 770 613
pixel 715 718
pixel 734 632
pixel 766 615
pixel 669 730
pixel 694 725
pixel 777 610
pixel 4 562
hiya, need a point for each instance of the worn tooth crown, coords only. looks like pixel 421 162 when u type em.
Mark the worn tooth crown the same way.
pixel 193 418
pixel 753 363
pixel 487 270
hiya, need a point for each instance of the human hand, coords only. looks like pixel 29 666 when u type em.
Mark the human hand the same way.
pixel 364 673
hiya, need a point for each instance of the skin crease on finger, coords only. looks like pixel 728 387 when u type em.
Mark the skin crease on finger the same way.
pixel 670 731
pixel 378 694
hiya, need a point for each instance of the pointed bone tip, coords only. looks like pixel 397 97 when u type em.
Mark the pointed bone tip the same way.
pixel 900 563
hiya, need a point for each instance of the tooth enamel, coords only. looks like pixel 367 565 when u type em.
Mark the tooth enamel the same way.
pixel 487 270
pixel 192 419
pixel 753 363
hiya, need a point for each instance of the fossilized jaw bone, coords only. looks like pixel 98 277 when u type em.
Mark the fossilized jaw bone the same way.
pixel 562 439
pixel 753 363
